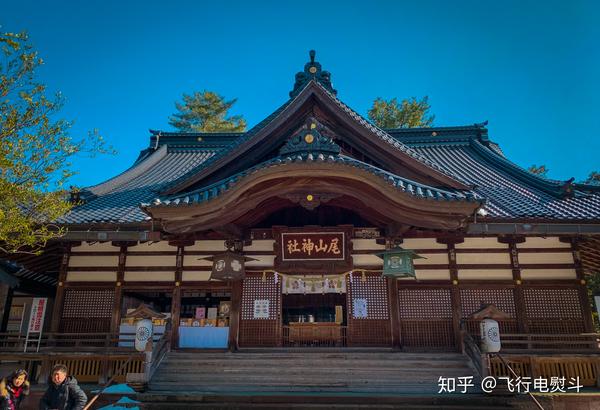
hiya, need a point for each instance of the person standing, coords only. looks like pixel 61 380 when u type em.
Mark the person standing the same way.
pixel 63 392
pixel 13 390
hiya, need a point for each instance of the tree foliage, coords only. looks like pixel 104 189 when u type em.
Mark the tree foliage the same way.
pixel 409 113
pixel 206 111
pixel 35 151
pixel 593 178
pixel 541 171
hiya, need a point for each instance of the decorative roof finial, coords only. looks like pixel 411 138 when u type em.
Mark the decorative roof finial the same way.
pixel 312 72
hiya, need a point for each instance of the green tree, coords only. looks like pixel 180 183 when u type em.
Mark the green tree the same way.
pixel 593 178
pixel 409 113
pixel 35 151
pixel 206 111
pixel 541 171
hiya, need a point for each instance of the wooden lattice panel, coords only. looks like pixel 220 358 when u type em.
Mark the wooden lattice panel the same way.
pixel 81 303
pixel 425 303
pixel 425 318
pixel 471 300
pixel 260 331
pixel 418 334
pixel 552 303
pixel 372 288
pixel 254 288
pixel 87 310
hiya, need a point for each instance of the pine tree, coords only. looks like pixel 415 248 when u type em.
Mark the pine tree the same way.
pixel 409 113
pixel 206 111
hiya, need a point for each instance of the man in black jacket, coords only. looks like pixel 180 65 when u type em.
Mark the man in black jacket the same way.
pixel 63 392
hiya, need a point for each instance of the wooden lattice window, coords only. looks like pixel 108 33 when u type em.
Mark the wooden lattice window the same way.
pixel 88 303
pixel 260 331
pixel 373 289
pixel 256 289
pixel 471 300
pixel 87 310
pixel 552 303
pixel 375 328
pixel 553 310
pixel 426 318
pixel 425 304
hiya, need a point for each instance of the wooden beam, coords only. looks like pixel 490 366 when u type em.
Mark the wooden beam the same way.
pixel 392 285
pixel 235 315
pixel 582 286
pixel 176 299
pixel 118 302
pixel 60 290
pixel 519 297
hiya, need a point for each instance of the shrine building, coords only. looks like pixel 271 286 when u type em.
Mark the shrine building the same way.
pixel 277 237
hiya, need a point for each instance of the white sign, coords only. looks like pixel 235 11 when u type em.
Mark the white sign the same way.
pixel 36 321
pixel 261 309
pixel 36 317
pixel 313 284
pixel 359 308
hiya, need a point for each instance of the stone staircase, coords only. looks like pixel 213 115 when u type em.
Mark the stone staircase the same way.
pixel 380 371
pixel 312 379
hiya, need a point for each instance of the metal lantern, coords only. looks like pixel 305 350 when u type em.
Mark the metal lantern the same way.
pixel 229 265
pixel 398 262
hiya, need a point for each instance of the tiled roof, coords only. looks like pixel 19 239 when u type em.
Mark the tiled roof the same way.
pixel 402 184
pixel 118 200
pixel 508 196
pixel 464 153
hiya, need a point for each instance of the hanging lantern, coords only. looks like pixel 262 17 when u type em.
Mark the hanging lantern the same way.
pixel 229 265
pixel 398 262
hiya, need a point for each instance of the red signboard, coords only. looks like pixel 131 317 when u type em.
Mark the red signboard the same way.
pixel 36 317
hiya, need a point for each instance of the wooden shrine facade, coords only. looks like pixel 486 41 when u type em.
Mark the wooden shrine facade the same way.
pixel 489 232
pixel 537 281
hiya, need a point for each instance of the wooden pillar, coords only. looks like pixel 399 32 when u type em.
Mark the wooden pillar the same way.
pixel 176 297
pixel 235 315
pixel 455 289
pixel 392 285
pixel 118 302
pixel 519 296
pixel 584 299
pixel 6 295
pixel 60 290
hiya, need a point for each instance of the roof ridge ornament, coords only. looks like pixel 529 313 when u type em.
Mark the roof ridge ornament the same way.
pixel 312 72
pixel 311 137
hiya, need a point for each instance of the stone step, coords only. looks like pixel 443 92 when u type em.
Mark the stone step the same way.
pixel 215 365
pixel 321 401
pixel 340 355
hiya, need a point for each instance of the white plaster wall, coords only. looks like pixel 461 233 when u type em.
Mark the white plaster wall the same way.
pixel 545 274
pixel 539 242
pixel 558 257
pixel 479 243
pixel 149 276
pixel 80 261
pixel 480 258
pixel 485 274
pixel 91 276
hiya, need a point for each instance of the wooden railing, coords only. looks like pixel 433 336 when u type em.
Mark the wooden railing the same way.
pixel 550 343
pixel 92 342
pixel 584 367
pixel 516 377
pixel 153 356
pixel 470 348
pixel 315 335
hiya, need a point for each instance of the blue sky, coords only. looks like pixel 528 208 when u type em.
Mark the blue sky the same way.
pixel 529 67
